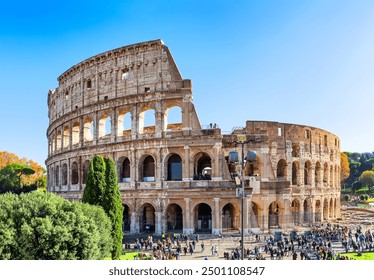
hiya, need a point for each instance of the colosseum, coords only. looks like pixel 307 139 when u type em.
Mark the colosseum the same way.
pixel 180 176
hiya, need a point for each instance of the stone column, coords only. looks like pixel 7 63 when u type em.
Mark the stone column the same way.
pixel 134 226
pixel 217 168
pixel 216 215
pixel 158 223
pixel 186 171
pixel 247 214
pixel 187 223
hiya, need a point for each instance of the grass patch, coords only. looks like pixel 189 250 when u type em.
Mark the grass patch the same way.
pixel 128 256
pixel 364 256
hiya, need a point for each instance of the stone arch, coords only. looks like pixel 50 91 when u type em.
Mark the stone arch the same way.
pixel 203 218
pixel 282 170
pixel 174 217
pixel 295 173
pixel 318 210
pixel 254 216
pixel 172 118
pixel 318 173
pixel 325 172
pixel 252 168
pixel 202 166
pixel 308 211
pixel 57 176
pixel 124 123
pixel 331 208
pixel 75 133
pixel 325 209
pixel 66 137
pixel 274 214
pixel 58 140
pixel 147 169
pixel 295 211
pixel 88 129
pixel 74 173
pixel 230 217
pixel 147 218
pixel 105 125
pixel 308 173
pixel 85 168
pixel 174 167
pixel 124 170
pixel 331 184
pixel 126 221
pixel 147 122
pixel 64 174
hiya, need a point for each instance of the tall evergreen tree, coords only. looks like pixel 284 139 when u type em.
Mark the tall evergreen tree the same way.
pixel 94 190
pixel 112 205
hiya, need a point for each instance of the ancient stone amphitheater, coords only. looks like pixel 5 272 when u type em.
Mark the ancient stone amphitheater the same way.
pixel 180 176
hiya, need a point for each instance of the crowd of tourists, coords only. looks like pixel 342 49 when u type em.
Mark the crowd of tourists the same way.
pixel 326 242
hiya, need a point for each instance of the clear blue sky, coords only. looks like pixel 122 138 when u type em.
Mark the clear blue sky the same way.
pixel 306 62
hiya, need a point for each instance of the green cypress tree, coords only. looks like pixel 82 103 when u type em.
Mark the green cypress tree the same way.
pixel 112 205
pixel 94 190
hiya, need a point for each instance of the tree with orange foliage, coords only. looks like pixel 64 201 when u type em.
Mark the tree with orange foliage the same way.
pixel 344 167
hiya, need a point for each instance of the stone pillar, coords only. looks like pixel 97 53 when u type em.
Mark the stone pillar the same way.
pixel 134 122
pixel 217 168
pixel 186 171
pixel 187 222
pixel 134 226
pixel 247 214
pixel 114 125
pixel 216 217
pixel 158 223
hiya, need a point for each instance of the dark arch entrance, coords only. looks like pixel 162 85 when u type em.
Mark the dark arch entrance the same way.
pixel 126 218
pixel 230 218
pixel 203 218
pixel 147 219
pixel 174 216
pixel 274 215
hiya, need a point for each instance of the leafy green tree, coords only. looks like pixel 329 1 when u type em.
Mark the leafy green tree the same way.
pixel 44 226
pixel 367 178
pixel 356 186
pixel 11 175
pixel 112 205
pixel 94 190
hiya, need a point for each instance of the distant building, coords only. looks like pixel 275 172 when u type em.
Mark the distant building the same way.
pixel 181 176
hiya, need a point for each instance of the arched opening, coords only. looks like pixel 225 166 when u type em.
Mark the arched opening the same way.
pixel 147 121
pixel 125 171
pixel 230 218
pixel 307 173
pixel 124 123
pixel 174 218
pixel 318 211
pixel 172 118
pixel 203 167
pixel 66 137
pixel 203 218
pixel 325 209
pixel 331 177
pixel 74 173
pixel 282 170
pixel 148 170
pixel 64 174
pixel 254 216
pixel 318 172
pixel 75 133
pixel 57 176
pixel 295 211
pixel 86 166
pixel 331 209
pixel 273 215
pixel 308 215
pixel 147 218
pixel 126 218
pixel 58 140
pixel 295 173
pixel 105 126
pixel 174 168
pixel 325 172
pixel 88 129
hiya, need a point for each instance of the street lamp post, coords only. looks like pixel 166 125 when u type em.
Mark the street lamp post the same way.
pixel 242 139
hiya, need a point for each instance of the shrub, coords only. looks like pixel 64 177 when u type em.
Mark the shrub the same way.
pixel 44 226
pixel 346 197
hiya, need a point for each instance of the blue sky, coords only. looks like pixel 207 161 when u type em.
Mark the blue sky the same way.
pixel 305 62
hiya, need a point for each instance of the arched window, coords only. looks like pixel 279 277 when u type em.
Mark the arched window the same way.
pixel 124 123
pixel 173 118
pixel 86 166
pixel 147 121
pixel 58 140
pixel 295 173
pixel 282 169
pixel 57 176
pixel 75 133
pixel 174 168
pixel 203 167
pixel 125 170
pixel 307 173
pixel 89 129
pixel 64 174
pixel 74 173
pixel 105 127
pixel 66 137
pixel 149 169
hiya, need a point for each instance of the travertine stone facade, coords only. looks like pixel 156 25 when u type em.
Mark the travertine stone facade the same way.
pixel 180 176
